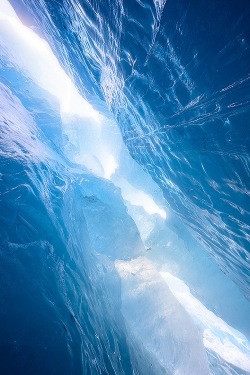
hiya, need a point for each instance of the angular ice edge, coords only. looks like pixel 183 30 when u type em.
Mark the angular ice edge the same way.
pixel 158 320
pixel 138 197
pixel 218 336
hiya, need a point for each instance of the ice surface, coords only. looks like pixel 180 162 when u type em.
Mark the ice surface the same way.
pixel 218 336
pixel 159 321
pixel 100 268
pixel 56 302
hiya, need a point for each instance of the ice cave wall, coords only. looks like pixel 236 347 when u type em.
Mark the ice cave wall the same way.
pixel 120 284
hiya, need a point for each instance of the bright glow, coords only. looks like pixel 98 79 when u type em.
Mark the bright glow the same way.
pixel 138 197
pixel 34 56
pixel 218 336
pixel 157 319
pixel 109 165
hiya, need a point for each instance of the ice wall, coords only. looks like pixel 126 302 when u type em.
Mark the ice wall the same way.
pixel 176 78
pixel 57 310
pixel 98 274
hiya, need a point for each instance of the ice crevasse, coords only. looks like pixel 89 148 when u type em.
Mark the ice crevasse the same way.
pixel 124 187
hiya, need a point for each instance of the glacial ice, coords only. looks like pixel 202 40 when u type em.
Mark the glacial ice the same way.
pixel 98 275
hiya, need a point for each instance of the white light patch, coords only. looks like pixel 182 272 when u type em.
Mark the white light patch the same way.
pixel 218 336
pixel 138 197
pixel 157 319
pixel 109 165
pixel 26 50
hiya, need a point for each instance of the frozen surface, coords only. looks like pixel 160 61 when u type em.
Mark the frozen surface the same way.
pixel 159 321
pixel 124 188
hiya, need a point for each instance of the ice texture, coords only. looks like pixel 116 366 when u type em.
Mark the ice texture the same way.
pixel 124 174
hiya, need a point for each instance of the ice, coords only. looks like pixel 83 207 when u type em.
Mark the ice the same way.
pixel 159 321
pixel 60 294
pixel 219 337
pixel 24 48
pixel 99 274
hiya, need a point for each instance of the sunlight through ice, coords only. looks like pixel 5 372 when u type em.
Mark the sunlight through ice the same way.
pixel 218 336
pixel 34 55
pixel 109 166
pixel 138 197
